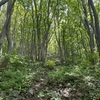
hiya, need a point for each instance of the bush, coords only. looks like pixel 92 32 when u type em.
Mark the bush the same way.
pixel 49 64
pixel 17 60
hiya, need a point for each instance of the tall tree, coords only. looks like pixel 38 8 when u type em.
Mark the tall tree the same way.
pixel 96 19
pixel 6 32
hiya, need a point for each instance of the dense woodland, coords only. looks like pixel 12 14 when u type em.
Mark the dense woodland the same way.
pixel 49 49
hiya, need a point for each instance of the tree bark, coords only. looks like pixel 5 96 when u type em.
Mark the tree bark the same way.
pixel 3 2
pixel 6 32
pixel 88 28
pixel 90 2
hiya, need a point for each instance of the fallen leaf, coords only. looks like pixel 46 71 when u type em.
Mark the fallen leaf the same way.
pixel 65 93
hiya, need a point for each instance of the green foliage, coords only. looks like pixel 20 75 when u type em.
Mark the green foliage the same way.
pixel 16 76
pixel 1 98
pixel 62 75
pixel 49 64
pixel 44 95
pixel 18 79
pixel 18 60
pixel 58 25
pixel 80 79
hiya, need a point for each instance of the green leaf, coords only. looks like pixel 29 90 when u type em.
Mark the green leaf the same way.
pixel 1 98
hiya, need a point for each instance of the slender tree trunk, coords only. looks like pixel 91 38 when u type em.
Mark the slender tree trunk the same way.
pixel 6 32
pixel 90 2
pixel 89 28
pixel 38 31
pixel 33 54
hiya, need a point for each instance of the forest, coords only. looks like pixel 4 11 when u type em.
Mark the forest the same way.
pixel 49 49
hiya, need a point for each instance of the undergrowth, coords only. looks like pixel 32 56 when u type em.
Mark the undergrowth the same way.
pixel 82 82
pixel 17 76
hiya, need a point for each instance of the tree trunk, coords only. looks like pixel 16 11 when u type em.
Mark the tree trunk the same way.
pixel 88 28
pixel 90 2
pixel 6 32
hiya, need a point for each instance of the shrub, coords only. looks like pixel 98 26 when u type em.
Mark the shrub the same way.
pixel 49 64
pixel 17 60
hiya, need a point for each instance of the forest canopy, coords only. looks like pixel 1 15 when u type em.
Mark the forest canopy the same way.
pixel 67 29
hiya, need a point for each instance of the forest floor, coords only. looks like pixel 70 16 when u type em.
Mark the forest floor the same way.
pixel 33 81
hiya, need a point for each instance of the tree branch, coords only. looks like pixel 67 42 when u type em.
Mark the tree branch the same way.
pixel 3 2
